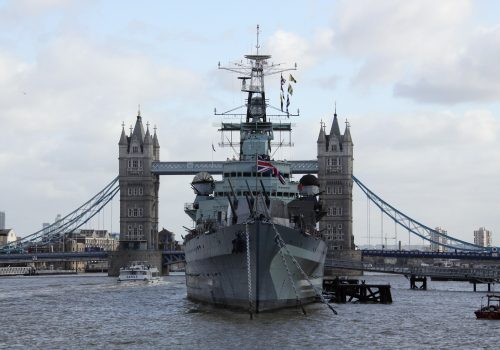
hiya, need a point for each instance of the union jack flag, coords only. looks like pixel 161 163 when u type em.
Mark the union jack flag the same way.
pixel 277 174
pixel 264 166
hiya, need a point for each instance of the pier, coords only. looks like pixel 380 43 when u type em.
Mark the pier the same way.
pixel 16 271
pixel 354 291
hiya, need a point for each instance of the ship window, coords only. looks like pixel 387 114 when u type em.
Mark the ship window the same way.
pixel 233 174
pixel 239 193
pixel 280 194
pixel 247 174
pixel 286 176
pixel 226 174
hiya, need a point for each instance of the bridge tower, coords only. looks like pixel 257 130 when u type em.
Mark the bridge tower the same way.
pixel 335 169
pixel 138 197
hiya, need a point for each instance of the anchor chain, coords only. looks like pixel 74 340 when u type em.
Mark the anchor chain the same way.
pixel 249 272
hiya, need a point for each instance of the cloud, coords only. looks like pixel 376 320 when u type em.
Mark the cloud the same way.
pixel 440 168
pixel 61 116
pixel 430 52
pixel 288 47
pixel 470 76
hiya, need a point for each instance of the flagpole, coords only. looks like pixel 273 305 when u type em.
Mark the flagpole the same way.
pixel 256 174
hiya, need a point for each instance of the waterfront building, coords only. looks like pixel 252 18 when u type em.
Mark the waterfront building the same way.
pixel 7 235
pixel 45 227
pixel 2 220
pixel 166 240
pixel 482 237
pixel 436 247
pixel 57 219
pixel 91 240
pixel 88 240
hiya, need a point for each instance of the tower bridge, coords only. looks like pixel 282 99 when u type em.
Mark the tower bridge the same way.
pixel 138 183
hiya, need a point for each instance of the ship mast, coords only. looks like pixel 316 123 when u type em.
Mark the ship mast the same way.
pixel 256 132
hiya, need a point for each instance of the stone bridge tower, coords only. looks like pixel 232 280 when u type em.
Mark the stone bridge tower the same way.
pixel 335 169
pixel 138 198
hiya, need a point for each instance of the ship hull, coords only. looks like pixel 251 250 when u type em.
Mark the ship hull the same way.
pixel 217 267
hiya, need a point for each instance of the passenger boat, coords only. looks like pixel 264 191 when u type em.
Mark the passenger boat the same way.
pixel 255 243
pixel 492 309
pixel 139 271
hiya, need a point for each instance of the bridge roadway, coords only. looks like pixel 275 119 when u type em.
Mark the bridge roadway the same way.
pixel 52 257
pixel 169 257
pixel 215 168
pixel 438 255
pixel 454 273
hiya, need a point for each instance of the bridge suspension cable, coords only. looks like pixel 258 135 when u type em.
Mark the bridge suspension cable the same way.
pixel 416 227
pixel 74 220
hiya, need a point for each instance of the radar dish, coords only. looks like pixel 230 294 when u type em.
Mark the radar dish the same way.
pixel 202 177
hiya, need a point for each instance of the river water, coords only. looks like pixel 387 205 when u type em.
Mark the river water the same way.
pixel 93 311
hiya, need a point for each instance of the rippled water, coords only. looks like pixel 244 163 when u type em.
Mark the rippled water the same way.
pixel 95 312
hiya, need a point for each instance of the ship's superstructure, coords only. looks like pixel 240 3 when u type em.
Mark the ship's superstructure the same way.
pixel 255 243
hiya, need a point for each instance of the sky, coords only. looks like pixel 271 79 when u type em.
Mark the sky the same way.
pixel 417 81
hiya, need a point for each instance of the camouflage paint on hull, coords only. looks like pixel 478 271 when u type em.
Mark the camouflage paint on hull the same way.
pixel 216 267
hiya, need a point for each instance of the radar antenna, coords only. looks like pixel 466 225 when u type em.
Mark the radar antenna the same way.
pixel 257 46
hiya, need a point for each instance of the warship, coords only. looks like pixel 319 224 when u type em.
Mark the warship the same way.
pixel 254 244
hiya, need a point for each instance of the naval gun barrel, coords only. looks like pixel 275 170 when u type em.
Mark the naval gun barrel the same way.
pixel 268 202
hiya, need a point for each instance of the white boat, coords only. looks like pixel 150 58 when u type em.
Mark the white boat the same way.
pixel 139 271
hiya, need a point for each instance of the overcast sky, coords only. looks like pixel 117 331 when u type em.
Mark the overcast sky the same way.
pixel 419 83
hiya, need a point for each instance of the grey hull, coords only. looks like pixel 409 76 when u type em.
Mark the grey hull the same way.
pixel 216 267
